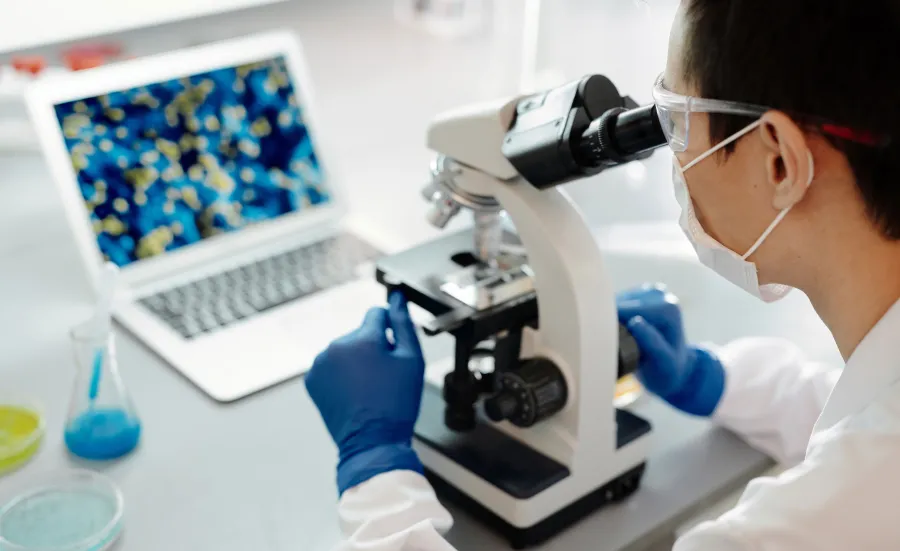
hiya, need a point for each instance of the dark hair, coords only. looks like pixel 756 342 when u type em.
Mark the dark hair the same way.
pixel 834 59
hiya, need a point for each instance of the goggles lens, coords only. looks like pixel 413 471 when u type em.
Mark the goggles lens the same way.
pixel 675 126
pixel 674 116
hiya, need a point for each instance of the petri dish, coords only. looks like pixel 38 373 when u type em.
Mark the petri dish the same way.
pixel 76 510
pixel 21 432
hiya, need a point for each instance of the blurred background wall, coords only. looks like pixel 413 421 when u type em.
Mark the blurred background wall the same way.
pixel 378 81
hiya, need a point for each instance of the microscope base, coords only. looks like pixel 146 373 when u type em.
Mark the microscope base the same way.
pixel 522 538
pixel 516 472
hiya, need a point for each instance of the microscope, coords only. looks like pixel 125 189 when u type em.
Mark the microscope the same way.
pixel 524 433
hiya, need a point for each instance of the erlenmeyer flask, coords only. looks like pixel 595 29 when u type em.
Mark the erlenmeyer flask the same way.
pixel 102 422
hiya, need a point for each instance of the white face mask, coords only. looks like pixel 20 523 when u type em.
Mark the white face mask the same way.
pixel 725 262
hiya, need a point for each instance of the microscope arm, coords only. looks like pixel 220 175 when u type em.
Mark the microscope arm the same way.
pixel 490 154
pixel 511 156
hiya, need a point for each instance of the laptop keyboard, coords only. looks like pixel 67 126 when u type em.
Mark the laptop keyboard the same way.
pixel 225 298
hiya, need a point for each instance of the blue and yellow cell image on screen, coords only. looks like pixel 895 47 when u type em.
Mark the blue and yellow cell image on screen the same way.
pixel 166 165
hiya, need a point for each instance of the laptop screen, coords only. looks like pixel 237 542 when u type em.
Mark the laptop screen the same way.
pixel 164 166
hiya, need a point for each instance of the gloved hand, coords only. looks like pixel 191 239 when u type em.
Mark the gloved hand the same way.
pixel 687 377
pixel 369 391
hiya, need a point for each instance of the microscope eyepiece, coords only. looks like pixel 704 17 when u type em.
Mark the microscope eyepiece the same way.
pixel 619 136
pixel 578 130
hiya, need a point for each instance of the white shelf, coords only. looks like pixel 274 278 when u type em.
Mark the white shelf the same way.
pixel 35 23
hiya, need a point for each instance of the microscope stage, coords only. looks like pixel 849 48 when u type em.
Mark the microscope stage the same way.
pixel 483 288
pixel 442 277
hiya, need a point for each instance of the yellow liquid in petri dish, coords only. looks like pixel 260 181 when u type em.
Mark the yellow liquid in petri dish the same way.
pixel 628 389
pixel 21 430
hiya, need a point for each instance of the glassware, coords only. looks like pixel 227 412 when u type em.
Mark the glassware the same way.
pixel 73 510
pixel 628 390
pixel 102 422
pixel 444 18
pixel 21 432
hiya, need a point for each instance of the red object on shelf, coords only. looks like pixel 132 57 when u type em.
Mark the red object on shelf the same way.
pixel 82 62
pixel 104 49
pixel 88 56
pixel 32 65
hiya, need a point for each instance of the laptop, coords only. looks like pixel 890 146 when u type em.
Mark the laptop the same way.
pixel 200 174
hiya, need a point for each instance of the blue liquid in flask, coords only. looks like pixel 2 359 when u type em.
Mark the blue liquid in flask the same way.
pixel 100 434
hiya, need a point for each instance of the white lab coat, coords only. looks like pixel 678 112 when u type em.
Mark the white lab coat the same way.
pixel 843 494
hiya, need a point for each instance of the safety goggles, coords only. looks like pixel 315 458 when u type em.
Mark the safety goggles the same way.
pixel 674 112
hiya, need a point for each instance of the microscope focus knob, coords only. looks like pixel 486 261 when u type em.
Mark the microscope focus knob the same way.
pixel 501 406
pixel 529 394
pixel 629 353
pixel 460 394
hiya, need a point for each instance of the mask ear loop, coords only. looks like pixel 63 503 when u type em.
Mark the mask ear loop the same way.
pixel 725 143
pixel 781 214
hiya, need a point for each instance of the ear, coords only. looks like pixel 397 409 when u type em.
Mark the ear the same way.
pixel 788 159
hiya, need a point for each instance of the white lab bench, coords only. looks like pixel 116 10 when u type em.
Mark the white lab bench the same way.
pixel 258 474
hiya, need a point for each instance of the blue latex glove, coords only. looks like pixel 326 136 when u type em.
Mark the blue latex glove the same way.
pixel 369 391
pixel 687 377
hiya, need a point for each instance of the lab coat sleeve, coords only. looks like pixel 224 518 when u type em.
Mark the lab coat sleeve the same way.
pixel 773 395
pixel 394 511
pixel 841 497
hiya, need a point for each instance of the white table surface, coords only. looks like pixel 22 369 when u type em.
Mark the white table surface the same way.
pixel 258 474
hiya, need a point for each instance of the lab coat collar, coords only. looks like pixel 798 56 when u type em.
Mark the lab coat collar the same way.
pixel 871 369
